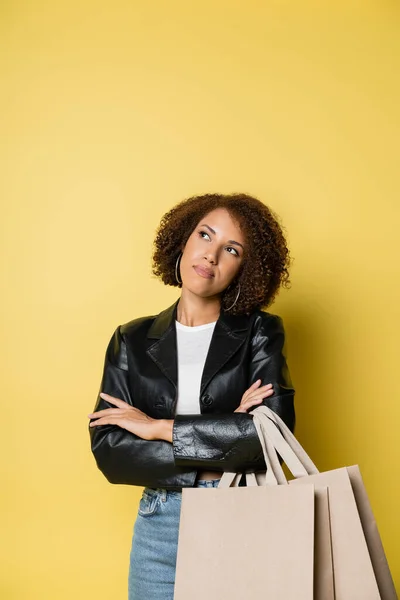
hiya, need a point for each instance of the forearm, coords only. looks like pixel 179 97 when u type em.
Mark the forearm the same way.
pixel 227 442
pixel 163 429
pixel 224 442
pixel 124 458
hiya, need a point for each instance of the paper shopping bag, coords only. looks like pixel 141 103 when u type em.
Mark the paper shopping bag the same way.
pixel 372 537
pixel 323 563
pixel 361 570
pixel 246 543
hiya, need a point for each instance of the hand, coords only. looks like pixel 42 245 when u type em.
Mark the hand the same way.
pixel 128 417
pixel 254 395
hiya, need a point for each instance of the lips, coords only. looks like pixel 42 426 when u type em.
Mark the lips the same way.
pixel 203 272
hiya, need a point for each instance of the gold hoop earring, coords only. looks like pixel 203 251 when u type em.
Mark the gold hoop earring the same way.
pixel 236 299
pixel 176 268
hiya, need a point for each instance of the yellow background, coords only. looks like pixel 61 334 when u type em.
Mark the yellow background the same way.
pixel 111 113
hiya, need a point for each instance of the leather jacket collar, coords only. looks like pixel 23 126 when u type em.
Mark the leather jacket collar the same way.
pixel 230 331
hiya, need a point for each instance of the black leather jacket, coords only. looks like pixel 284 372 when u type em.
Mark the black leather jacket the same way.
pixel 141 368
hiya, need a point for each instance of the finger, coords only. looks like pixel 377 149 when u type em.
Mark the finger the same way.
pixel 253 387
pixel 258 382
pixel 102 421
pixel 256 399
pixel 114 420
pixel 244 408
pixel 260 394
pixel 252 403
pixel 255 384
pixel 266 389
pixel 105 412
pixel 112 400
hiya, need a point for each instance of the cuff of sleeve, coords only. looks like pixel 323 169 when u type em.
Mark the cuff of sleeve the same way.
pixel 176 438
pixel 194 440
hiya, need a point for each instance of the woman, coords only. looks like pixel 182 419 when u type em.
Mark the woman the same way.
pixel 172 411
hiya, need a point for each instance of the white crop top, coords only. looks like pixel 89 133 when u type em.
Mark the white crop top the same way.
pixel 192 345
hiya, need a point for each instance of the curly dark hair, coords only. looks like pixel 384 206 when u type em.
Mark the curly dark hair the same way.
pixel 265 262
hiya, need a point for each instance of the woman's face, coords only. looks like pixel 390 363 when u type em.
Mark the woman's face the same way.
pixel 213 254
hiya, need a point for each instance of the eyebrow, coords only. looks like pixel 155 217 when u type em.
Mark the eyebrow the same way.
pixel 229 241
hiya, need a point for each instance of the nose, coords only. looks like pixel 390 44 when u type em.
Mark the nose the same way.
pixel 211 257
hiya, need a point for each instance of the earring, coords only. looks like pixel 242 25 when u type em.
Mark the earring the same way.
pixel 236 299
pixel 176 268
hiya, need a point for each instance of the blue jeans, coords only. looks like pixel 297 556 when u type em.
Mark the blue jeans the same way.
pixel 155 544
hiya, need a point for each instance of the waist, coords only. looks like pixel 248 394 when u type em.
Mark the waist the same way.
pixel 203 479
pixel 208 475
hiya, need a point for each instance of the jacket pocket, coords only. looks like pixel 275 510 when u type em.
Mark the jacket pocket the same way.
pixel 149 503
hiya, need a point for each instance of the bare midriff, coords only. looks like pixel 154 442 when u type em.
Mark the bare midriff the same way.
pixel 208 475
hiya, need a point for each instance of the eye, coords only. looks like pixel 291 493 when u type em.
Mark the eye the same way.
pixel 229 247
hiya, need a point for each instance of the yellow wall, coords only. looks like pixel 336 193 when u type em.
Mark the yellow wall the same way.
pixel 114 111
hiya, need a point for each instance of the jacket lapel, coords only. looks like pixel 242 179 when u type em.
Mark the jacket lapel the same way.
pixel 229 333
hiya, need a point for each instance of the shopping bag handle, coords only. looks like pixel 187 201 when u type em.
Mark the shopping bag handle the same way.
pixel 232 479
pixel 283 440
pixel 284 443
pixel 275 437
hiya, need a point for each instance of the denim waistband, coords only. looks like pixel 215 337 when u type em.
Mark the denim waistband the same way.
pixel 164 493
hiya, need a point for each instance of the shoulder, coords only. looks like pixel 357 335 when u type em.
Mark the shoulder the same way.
pixel 126 334
pixel 266 321
pixel 140 324
pixel 129 334
pixel 134 333
pixel 267 330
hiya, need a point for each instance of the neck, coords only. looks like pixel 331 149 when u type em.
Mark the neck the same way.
pixel 194 310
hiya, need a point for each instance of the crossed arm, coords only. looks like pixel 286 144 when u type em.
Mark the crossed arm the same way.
pixel 134 420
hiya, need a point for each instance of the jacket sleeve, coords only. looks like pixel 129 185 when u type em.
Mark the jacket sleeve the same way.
pixel 120 455
pixel 229 442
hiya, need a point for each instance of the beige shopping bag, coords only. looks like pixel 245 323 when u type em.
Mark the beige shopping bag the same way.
pixel 323 563
pixel 361 571
pixel 246 543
